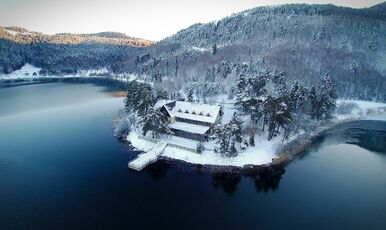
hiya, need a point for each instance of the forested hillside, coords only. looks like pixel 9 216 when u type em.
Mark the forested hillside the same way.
pixel 65 53
pixel 305 41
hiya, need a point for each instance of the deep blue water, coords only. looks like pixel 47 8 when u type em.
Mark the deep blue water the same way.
pixel 61 168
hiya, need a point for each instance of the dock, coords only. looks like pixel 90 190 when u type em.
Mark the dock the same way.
pixel 151 156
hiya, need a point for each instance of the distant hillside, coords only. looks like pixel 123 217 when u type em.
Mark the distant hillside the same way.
pixel 21 35
pixel 65 53
pixel 305 41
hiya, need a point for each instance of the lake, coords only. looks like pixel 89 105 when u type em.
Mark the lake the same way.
pixel 62 168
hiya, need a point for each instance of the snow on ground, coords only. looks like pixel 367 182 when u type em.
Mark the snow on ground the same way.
pixel 148 157
pixel 92 72
pixel 262 153
pixel 361 109
pixel 14 33
pixel 27 71
pixel 199 49
pixel 11 32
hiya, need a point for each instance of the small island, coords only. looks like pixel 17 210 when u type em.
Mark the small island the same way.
pixel 252 128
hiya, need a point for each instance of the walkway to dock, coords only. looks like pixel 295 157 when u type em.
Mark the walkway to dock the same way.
pixel 144 159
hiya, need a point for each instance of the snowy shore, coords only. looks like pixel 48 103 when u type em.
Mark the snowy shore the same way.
pixel 264 152
pixel 30 72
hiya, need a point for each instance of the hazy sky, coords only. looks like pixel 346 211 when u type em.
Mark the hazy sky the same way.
pixel 150 19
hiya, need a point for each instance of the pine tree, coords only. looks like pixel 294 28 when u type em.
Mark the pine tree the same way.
pixel 190 95
pixel 131 91
pixel 232 152
pixel 242 95
pixel 145 102
pixel 313 102
pixel 252 140
pixel 214 49
pixel 327 98
pixel 155 122
pixel 200 147
pixel 236 127
pixel 161 95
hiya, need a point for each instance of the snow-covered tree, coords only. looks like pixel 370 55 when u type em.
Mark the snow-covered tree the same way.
pixel 155 122
pixel 144 102
pixel 200 147
pixel 236 127
pixel 327 98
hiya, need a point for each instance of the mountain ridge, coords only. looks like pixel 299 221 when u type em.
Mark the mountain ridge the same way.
pixel 24 36
pixel 306 42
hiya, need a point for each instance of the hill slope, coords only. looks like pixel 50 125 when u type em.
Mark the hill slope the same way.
pixel 64 53
pixel 305 41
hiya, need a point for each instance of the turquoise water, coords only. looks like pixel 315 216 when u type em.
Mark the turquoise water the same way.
pixel 61 168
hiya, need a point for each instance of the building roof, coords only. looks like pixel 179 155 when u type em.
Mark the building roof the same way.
pixel 187 127
pixel 161 103
pixel 195 111
pixel 191 111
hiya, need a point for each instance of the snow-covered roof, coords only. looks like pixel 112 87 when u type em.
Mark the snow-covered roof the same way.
pixel 161 103
pixel 187 127
pixel 191 111
pixel 195 111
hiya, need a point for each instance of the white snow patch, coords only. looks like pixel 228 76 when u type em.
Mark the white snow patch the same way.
pixel 11 32
pixel 27 71
pixel 200 49
pixel 262 153
pixel 92 72
pixel 363 109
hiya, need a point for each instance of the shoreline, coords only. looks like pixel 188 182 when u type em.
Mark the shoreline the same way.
pixel 288 153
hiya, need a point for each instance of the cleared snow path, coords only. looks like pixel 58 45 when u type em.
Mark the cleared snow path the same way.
pixel 144 159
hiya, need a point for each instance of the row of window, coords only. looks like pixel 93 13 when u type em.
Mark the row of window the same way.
pixel 193 136
pixel 193 121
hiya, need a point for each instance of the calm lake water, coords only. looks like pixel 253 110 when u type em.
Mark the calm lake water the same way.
pixel 61 168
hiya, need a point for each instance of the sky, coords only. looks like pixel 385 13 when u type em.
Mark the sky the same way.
pixel 149 19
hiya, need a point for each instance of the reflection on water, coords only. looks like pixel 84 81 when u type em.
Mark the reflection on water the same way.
pixel 226 181
pixel 268 180
pixel 61 168
pixel 158 171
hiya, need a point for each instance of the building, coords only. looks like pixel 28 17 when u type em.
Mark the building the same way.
pixel 190 120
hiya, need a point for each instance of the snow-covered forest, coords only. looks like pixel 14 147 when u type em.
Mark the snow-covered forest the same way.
pixel 305 41
pixel 264 107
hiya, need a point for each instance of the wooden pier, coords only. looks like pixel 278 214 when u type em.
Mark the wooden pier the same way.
pixel 151 156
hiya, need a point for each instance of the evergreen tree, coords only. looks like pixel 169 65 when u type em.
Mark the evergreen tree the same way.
pixel 327 98
pixel 190 95
pixel 144 101
pixel 155 122
pixel 242 95
pixel 200 147
pixel 232 152
pixel 131 91
pixel 214 49
pixel 313 102
pixel 161 95
pixel 236 127
pixel 252 140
